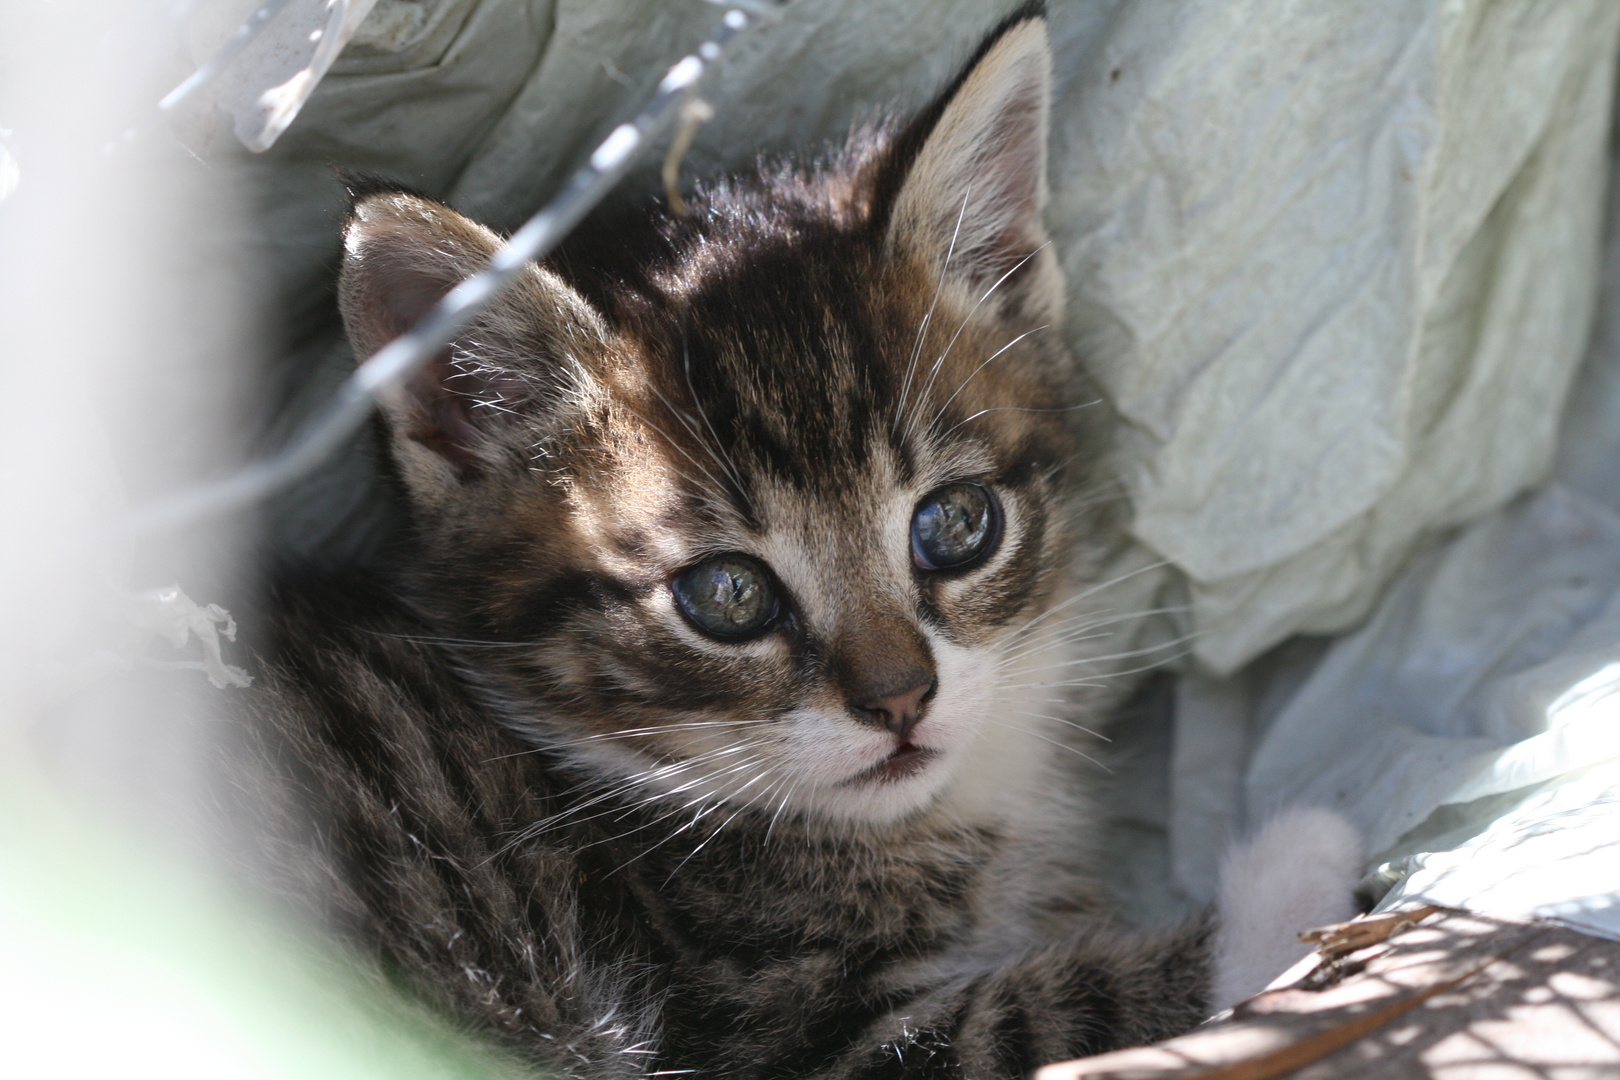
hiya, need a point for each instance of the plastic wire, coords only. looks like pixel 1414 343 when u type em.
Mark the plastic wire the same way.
pixel 354 400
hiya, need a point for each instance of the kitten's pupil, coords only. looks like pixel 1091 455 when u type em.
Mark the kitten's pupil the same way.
pixel 729 596
pixel 953 527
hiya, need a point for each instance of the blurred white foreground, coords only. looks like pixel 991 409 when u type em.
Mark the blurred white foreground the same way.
pixel 1335 264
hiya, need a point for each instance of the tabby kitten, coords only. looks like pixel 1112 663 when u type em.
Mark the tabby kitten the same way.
pixel 713 717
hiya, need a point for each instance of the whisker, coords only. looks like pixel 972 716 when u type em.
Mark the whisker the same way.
pixel 1054 742
pixel 981 367
pixel 704 843
pixel 787 799
pixel 719 448
pixel 699 801
pixel 969 317
pixel 1026 640
pixel 614 791
pixel 1083 594
pixel 630 733
pixel 780 807
pixel 680 415
pixel 1068 639
pixel 916 346
pixel 432 639
pixel 1146 650
pixel 1095 680
pixel 719 488
pixel 1061 720
pixel 1018 408
pixel 1075 629
pixel 703 812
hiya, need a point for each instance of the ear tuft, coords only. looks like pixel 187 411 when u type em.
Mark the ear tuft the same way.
pixel 970 205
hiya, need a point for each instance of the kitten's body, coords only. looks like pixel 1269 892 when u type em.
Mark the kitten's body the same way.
pixel 620 938
pixel 549 790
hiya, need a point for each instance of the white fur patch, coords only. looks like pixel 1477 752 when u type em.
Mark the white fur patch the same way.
pixel 1297 872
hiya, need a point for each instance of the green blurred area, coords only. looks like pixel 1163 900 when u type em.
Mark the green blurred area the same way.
pixel 118 960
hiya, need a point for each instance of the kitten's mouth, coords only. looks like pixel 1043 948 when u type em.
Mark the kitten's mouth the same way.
pixel 906 760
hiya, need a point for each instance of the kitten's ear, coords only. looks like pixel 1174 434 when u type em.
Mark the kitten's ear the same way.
pixel 474 405
pixel 970 202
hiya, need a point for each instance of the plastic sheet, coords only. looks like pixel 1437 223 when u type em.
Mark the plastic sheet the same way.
pixel 273 75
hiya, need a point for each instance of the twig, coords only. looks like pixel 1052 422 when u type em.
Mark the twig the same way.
pixel 695 112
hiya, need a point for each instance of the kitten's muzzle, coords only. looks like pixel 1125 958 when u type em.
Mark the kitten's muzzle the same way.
pixel 898 711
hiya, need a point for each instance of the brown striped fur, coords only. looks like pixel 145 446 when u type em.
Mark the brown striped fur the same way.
pixel 550 803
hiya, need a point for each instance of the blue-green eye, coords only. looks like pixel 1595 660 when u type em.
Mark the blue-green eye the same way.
pixel 729 596
pixel 954 527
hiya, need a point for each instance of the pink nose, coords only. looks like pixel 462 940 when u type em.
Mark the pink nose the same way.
pixel 898 712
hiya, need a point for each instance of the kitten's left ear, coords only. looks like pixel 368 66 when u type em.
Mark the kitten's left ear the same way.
pixel 970 203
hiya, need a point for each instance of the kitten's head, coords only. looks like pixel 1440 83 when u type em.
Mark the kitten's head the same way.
pixel 756 505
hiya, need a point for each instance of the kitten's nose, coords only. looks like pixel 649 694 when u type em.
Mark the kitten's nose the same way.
pixel 898 711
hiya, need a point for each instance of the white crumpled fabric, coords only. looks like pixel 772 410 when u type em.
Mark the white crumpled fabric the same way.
pixel 1471 728
pixel 1335 265
pixel 1337 262
pixel 1494 664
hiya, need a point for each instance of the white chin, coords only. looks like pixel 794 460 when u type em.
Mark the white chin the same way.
pixel 886 792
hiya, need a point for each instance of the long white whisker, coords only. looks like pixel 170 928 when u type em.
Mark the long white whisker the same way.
pixel 701 802
pixel 630 733
pixel 786 795
pixel 703 811
pixel 704 843
pixel 713 449
pixel 614 791
pixel 719 488
pixel 1061 720
pixel 1077 628
pixel 718 451
pixel 1018 408
pixel 981 367
pixel 1094 680
pixel 1054 742
pixel 1072 637
pixel 933 374
pixel 1146 650
pixel 1084 593
pixel 686 423
pixel 922 327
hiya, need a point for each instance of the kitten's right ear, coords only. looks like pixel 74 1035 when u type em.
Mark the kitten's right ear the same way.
pixel 473 406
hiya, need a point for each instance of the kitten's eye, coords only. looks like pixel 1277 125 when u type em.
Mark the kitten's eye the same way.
pixel 953 527
pixel 729 596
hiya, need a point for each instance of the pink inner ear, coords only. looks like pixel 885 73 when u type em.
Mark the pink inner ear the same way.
pixel 973 195
pixel 1013 167
pixel 444 399
pixel 442 393
pixel 401 286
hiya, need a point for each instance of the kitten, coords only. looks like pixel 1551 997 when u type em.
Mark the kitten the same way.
pixel 714 714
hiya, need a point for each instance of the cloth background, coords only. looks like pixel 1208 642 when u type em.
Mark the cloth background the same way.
pixel 1335 265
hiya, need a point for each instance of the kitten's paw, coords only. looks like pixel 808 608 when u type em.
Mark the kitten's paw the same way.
pixel 1297 872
